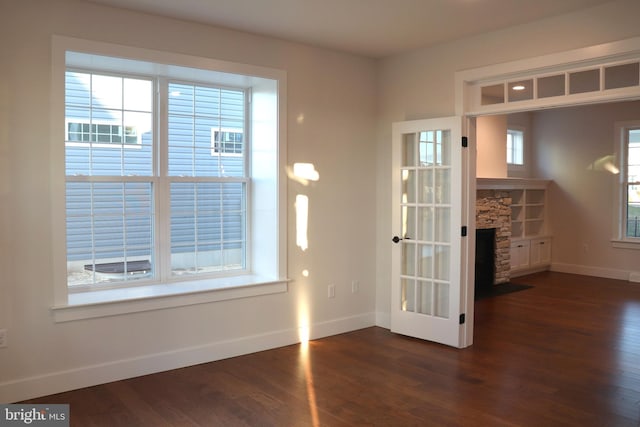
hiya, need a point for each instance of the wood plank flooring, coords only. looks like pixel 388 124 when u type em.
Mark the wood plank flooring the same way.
pixel 563 353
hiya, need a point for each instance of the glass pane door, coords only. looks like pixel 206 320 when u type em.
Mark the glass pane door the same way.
pixel 427 200
pixel 426 211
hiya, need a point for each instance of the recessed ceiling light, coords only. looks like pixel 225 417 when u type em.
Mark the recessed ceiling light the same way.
pixel 518 87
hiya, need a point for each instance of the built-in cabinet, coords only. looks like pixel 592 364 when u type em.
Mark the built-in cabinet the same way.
pixel 530 245
pixel 520 254
pixel 540 253
pixel 530 254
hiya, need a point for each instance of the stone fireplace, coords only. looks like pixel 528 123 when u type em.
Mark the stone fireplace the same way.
pixel 493 210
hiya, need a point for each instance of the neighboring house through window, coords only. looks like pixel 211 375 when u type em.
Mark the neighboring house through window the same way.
pixel 112 192
pixel 227 141
pixel 101 133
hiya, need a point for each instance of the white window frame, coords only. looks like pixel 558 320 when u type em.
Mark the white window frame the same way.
pixel 517 166
pixel 267 170
pixel 620 238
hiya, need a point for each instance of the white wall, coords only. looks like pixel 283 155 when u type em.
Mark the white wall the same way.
pixel 420 84
pixel 491 146
pixel 350 226
pixel 567 142
pixel 334 92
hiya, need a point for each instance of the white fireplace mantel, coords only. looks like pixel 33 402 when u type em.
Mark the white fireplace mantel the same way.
pixel 510 183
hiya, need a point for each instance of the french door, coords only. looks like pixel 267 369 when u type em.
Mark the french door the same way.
pixel 427 214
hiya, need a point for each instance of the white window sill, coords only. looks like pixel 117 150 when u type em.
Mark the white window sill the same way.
pixel 112 302
pixel 625 244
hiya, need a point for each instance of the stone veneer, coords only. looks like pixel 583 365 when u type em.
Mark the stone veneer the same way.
pixel 493 210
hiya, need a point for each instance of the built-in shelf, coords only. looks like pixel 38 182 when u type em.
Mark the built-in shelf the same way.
pixel 527 207
pixel 530 243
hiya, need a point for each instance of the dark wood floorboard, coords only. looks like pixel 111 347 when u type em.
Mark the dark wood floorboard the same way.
pixel 563 353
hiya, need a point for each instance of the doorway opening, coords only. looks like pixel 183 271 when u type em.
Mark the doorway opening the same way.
pixel 554 83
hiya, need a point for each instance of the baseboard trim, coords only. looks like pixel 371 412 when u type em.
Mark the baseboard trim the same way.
pixel 91 375
pixel 383 320
pixel 608 273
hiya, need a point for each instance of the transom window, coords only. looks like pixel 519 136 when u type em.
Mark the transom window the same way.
pixel 561 84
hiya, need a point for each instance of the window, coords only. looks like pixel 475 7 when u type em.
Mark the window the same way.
pixel 164 168
pixel 515 147
pixel 627 181
pixel 630 182
pixel 112 197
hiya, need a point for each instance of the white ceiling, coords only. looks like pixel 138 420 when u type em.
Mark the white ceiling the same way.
pixel 374 28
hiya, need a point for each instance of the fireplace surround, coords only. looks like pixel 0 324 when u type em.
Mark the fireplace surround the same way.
pixel 493 211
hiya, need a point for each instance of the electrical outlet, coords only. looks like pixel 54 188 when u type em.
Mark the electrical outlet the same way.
pixel 3 338
pixel 331 291
pixel 355 286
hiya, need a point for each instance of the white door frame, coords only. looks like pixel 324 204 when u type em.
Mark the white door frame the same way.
pixel 467 85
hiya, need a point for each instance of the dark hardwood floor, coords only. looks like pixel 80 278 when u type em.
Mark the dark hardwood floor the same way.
pixel 563 353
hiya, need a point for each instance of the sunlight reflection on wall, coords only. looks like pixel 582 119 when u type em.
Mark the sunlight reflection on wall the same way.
pixel 304 174
pixel 606 163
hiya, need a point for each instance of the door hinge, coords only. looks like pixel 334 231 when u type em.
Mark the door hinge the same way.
pixel 462 318
pixel 463 232
pixel 465 141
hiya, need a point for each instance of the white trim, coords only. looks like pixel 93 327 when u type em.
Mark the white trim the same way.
pixel 149 61
pixel 591 56
pixel 511 183
pixel 522 131
pixel 625 244
pixel 587 270
pixel 468 249
pixel 620 151
pixel 134 299
pixel 383 319
pixel 57 181
pixel 86 376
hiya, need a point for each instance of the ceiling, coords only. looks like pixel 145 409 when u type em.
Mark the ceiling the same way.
pixel 373 28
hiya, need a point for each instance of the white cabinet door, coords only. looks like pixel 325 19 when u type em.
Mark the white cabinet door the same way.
pixel 540 251
pixel 520 254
